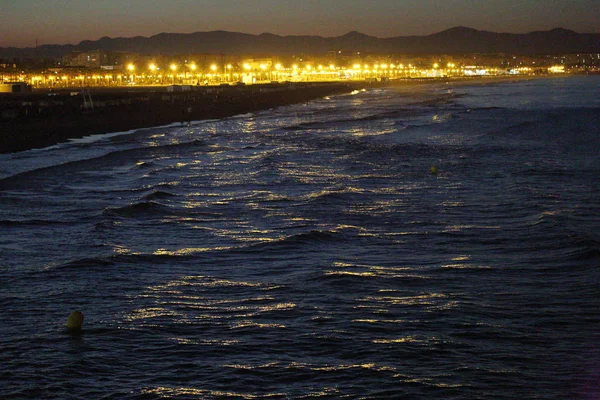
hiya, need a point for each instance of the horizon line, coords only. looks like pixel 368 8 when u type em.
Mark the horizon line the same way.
pixel 306 35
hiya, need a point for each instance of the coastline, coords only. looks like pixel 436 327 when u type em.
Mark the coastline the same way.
pixel 42 119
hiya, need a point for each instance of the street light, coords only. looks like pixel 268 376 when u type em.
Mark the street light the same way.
pixel 131 68
pixel 213 75
pixel 192 67
pixel 173 69
pixel 152 68
pixel 277 71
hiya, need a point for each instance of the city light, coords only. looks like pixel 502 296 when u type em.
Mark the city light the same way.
pixel 265 70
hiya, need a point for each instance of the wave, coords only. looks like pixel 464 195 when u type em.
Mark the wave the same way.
pixel 115 157
pixel 157 195
pixel 356 145
pixel 328 124
pixel 87 262
pixel 141 209
pixel 86 140
pixel 561 124
pixel 343 196
pixel 116 260
pixel 554 240
pixel 315 236
pixel 445 117
pixel 547 171
pixel 583 246
pixel 31 222
pixel 60 154
pixel 490 108
pixel 309 239
pixel 305 239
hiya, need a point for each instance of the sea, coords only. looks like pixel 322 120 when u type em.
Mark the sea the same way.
pixel 435 241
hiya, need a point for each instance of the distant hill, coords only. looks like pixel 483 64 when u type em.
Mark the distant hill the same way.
pixel 454 40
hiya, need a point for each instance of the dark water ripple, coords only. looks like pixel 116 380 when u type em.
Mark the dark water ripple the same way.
pixel 308 252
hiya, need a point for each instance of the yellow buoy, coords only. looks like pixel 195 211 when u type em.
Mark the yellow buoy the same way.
pixel 75 321
pixel 433 170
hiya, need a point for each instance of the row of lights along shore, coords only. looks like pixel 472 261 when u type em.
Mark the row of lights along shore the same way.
pixel 249 73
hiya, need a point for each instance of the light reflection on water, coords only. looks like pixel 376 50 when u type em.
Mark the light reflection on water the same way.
pixel 309 252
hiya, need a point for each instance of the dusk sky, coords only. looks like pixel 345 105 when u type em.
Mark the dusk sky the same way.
pixel 71 21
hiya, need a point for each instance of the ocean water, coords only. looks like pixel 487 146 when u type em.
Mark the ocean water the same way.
pixel 309 252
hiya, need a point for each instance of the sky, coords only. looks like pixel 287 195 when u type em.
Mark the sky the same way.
pixel 71 21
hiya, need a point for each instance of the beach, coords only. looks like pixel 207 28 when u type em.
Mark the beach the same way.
pixel 41 119
pixel 44 118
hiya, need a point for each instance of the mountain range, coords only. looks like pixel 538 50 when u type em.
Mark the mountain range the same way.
pixel 455 40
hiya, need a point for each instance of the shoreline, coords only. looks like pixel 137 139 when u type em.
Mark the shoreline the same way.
pixel 41 119
pixel 38 120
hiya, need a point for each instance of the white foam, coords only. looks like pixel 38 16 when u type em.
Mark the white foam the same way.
pixel 94 138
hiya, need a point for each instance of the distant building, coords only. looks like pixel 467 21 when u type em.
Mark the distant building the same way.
pixel 91 59
pixel 258 63
pixel 95 59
